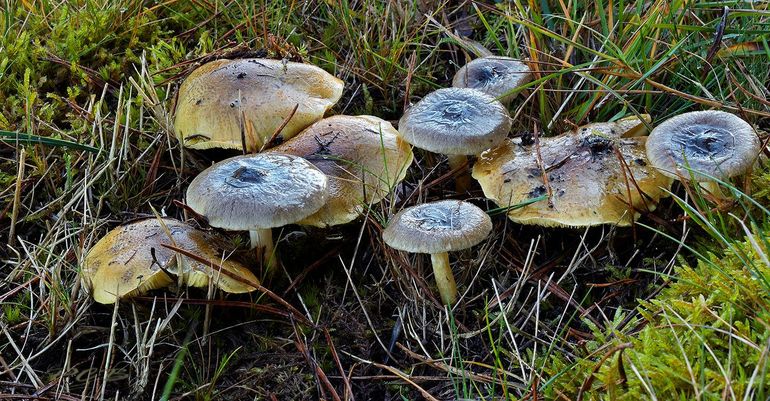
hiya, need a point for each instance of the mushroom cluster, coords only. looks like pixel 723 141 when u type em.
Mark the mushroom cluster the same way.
pixel 329 174
pixel 302 168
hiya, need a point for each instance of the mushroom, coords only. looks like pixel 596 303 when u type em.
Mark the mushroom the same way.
pixel 590 176
pixel 456 122
pixel 256 193
pixel 437 228
pixel 221 100
pixel 495 76
pixel 703 145
pixel 132 260
pixel 363 157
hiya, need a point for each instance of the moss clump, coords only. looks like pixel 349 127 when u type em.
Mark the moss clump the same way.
pixel 705 337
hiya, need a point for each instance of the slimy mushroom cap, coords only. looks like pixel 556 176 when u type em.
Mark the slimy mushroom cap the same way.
pixel 363 157
pixel 131 259
pixel 221 98
pixel 586 183
pixel 493 75
pixel 259 191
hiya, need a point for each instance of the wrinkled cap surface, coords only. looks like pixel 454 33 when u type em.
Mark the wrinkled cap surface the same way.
pixel 130 259
pixel 711 142
pixel 222 97
pixel 493 75
pixel 455 121
pixel 435 227
pixel 251 192
pixel 363 157
pixel 585 180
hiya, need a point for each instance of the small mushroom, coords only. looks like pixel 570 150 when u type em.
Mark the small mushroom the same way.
pixel 437 228
pixel 223 99
pixel 456 122
pixel 495 76
pixel 363 157
pixel 132 260
pixel 256 193
pixel 703 145
pixel 586 177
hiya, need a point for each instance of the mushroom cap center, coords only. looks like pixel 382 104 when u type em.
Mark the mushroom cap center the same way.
pixel 704 142
pixel 245 176
pixel 434 219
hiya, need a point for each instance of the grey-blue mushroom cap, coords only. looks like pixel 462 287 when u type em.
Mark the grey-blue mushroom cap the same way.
pixel 703 144
pixel 493 75
pixel 455 121
pixel 258 191
pixel 435 227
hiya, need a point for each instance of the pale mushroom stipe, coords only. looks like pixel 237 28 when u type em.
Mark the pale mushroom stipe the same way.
pixel 438 228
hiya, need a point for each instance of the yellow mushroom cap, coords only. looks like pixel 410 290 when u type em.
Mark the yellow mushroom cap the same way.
pixel 587 183
pixel 209 247
pixel 363 157
pixel 122 264
pixel 220 98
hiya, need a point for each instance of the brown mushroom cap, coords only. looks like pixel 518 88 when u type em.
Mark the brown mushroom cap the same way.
pixel 455 121
pixel 220 98
pixel 587 184
pixel 435 227
pixel 709 143
pixel 494 76
pixel 258 191
pixel 362 156
pixel 128 260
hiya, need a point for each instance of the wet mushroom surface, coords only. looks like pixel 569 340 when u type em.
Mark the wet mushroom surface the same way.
pixel 363 157
pixel 588 176
pixel 224 102
pixel 455 121
pixel 132 259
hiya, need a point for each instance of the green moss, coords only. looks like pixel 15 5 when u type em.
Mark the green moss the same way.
pixel 703 337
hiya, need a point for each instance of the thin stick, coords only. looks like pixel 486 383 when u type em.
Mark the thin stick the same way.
pixel 218 268
pixel 280 128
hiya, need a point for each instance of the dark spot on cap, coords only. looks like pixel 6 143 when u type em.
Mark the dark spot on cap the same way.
pixel 527 139
pixel 537 191
pixel 597 145
pixel 241 75
pixel 640 162
pixel 198 102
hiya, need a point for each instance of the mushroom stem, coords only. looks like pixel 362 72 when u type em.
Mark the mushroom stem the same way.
pixel 714 189
pixel 445 280
pixel 263 240
pixel 463 178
